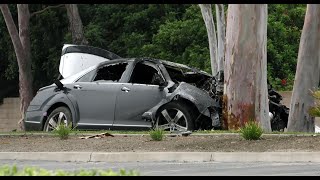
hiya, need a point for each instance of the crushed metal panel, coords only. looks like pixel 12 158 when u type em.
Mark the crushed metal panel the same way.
pixel 184 90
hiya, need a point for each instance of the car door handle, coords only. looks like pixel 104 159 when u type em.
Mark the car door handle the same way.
pixel 125 89
pixel 77 86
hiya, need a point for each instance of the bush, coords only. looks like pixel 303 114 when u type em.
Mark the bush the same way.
pixel 251 131
pixel 32 171
pixel 157 134
pixel 63 131
pixel 315 110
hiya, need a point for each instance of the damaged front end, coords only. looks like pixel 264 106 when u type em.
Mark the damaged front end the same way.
pixel 195 89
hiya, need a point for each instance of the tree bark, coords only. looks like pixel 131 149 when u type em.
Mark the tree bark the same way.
pixel 76 26
pixel 21 43
pixel 307 73
pixel 221 34
pixel 246 96
pixel 206 12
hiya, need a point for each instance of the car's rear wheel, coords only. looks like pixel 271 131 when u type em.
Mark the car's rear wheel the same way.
pixel 60 115
pixel 175 117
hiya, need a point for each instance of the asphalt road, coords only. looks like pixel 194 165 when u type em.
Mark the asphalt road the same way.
pixel 185 169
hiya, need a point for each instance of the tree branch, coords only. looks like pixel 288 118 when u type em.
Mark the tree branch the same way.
pixel 49 7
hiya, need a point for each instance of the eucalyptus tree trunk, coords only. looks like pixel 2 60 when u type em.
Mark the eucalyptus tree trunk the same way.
pixel 246 96
pixel 221 34
pixel 21 44
pixel 75 23
pixel 307 73
pixel 206 12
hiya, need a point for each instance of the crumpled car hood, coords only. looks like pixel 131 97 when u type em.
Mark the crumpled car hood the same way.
pixel 75 58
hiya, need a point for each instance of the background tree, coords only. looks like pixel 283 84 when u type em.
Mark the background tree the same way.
pixel 221 34
pixel 307 73
pixel 76 26
pixel 246 66
pixel 21 43
pixel 285 22
pixel 206 12
pixel 175 32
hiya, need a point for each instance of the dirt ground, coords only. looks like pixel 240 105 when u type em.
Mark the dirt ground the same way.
pixel 192 143
pixel 143 143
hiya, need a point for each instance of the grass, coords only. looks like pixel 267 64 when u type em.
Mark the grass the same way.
pixel 157 134
pixel 251 131
pixel 33 171
pixel 63 131
pixel 76 132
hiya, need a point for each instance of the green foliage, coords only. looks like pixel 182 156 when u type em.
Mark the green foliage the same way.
pixel 63 131
pixel 157 134
pixel 285 22
pixel 33 171
pixel 315 110
pixel 174 32
pixel 251 131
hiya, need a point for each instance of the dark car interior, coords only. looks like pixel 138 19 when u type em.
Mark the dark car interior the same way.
pixel 111 73
pixel 145 74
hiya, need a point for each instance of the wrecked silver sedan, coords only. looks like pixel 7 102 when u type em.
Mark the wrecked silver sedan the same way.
pixel 128 93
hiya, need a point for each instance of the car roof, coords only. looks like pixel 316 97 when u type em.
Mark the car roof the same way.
pixel 156 61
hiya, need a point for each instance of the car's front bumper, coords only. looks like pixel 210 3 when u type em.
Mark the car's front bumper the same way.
pixel 33 121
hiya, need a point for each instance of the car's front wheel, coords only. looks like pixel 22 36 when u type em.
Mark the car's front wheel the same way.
pixel 60 115
pixel 174 117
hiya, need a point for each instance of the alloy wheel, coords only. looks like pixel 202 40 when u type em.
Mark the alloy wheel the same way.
pixel 173 120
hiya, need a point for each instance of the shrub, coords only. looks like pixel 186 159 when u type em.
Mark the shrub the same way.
pixel 63 131
pixel 33 171
pixel 251 131
pixel 315 110
pixel 157 134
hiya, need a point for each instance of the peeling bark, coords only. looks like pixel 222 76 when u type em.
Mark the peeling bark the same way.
pixel 307 73
pixel 21 43
pixel 206 12
pixel 76 26
pixel 221 34
pixel 246 94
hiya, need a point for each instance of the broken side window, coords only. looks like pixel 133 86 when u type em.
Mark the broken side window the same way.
pixel 146 73
pixel 111 72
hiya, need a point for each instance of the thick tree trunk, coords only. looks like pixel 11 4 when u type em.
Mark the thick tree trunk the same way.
pixel 307 73
pixel 76 26
pixel 221 34
pixel 206 12
pixel 21 43
pixel 246 66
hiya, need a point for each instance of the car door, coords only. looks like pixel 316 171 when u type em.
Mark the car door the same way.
pixel 138 95
pixel 96 99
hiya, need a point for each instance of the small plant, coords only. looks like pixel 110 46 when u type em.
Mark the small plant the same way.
pixel 157 134
pixel 63 131
pixel 315 110
pixel 33 171
pixel 251 131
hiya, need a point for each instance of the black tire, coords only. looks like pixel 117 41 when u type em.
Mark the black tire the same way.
pixel 172 109
pixel 55 115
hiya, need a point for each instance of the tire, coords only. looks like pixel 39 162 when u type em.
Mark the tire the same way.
pixel 54 118
pixel 170 110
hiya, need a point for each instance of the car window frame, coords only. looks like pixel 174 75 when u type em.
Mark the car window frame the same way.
pixel 110 64
pixel 148 63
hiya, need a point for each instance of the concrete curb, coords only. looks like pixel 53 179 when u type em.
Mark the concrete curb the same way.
pixel 164 156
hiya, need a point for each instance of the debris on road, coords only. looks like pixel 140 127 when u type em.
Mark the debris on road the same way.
pixel 97 136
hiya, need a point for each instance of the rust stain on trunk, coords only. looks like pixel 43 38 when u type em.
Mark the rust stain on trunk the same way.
pixel 237 119
pixel 225 112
